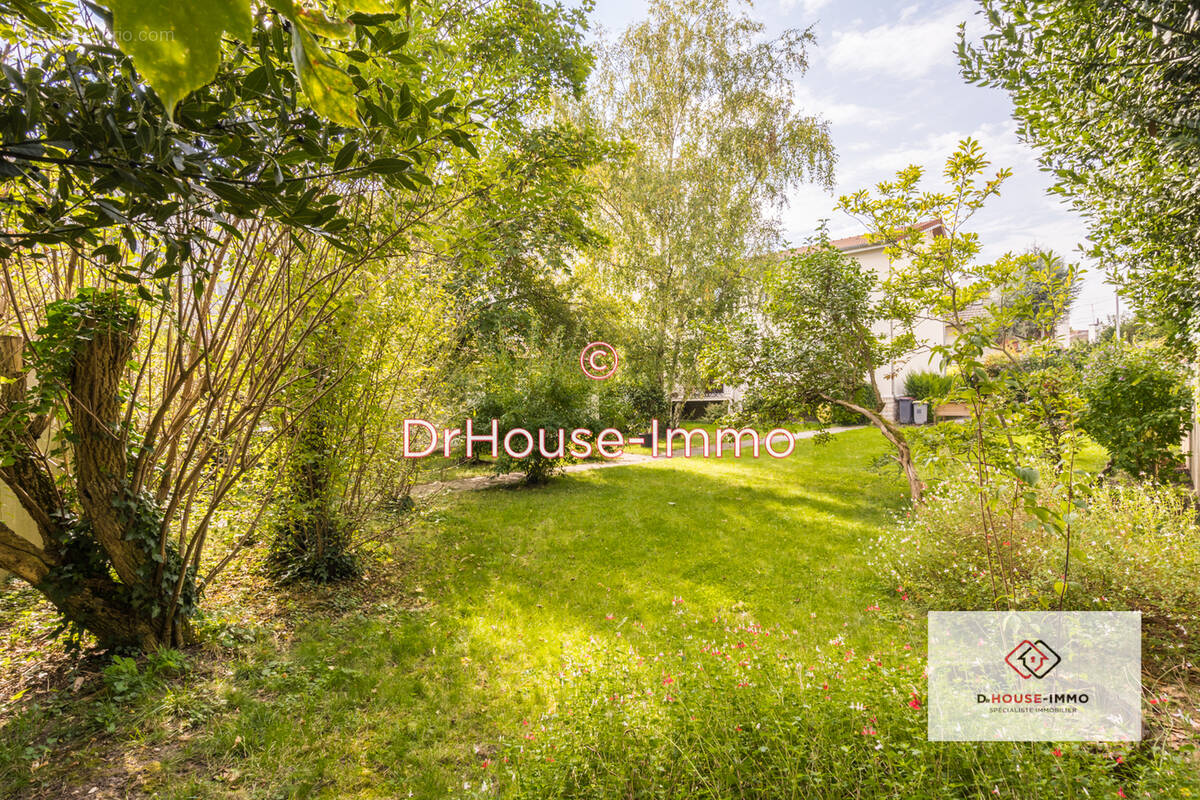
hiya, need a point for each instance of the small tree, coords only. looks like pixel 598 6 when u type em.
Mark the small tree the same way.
pixel 127 423
pixel 942 278
pixel 538 391
pixel 815 342
pixel 1139 406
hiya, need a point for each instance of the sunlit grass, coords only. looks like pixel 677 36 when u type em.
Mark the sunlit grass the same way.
pixel 477 624
pixel 502 585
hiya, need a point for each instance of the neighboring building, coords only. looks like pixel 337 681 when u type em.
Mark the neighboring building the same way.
pixel 890 379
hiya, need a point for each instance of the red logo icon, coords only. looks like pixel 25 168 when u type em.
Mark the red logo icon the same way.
pixel 1032 659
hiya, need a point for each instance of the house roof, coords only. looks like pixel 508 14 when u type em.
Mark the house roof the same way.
pixel 933 226
pixel 852 244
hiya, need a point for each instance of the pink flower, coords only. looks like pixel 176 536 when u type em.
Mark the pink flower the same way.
pixel 667 679
pixel 608 616
pixel 485 764
pixel 1057 753
pixel 915 703
pixel 1121 792
pixel 868 732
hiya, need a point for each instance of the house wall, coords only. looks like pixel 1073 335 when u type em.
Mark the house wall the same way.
pixel 890 379
pixel 17 518
pixel 12 513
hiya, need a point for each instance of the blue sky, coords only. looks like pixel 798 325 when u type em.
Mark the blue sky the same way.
pixel 884 74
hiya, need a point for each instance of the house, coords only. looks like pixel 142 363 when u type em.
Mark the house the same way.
pixel 889 379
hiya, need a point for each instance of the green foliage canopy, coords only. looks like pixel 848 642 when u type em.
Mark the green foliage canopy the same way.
pixel 1107 91
pixel 92 159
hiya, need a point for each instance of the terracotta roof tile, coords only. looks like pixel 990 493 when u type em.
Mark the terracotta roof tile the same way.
pixel 855 242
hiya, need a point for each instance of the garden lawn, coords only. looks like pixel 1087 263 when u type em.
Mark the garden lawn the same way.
pixel 501 585
pixel 553 642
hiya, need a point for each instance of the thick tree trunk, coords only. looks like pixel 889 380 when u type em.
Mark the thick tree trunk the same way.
pixel 95 605
pixel 893 434
pixel 101 461
pixel 94 560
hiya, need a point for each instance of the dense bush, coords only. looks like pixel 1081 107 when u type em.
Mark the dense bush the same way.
pixel 1138 407
pixel 547 393
pixel 630 405
pixel 863 396
pixel 1134 546
pixel 723 708
pixel 926 385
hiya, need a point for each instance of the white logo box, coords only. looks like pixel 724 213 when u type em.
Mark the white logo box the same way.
pixel 1035 676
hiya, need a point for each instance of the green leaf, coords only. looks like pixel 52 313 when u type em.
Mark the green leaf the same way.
pixel 329 90
pixel 316 22
pixel 176 46
pixel 345 156
pixel 389 166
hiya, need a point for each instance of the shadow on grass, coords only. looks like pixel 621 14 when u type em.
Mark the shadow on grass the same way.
pixel 405 695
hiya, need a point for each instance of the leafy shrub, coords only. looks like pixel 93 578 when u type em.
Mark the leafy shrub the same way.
pixel 721 708
pixel 1138 407
pixel 926 384
pixel 1133 547
pixel 863 396
pixel 712 412
pixel 630 405
pixel 547 393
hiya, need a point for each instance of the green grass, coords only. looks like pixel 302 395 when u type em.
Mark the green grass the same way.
pixel 508 611
pixel 509 582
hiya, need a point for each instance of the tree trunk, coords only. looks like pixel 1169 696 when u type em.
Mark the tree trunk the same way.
pixel 95 561
pixel 96 604
pixel 102 464
pixel 893 434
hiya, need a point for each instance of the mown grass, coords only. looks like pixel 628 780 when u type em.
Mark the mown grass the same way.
pixel 414 696
pixel 429 683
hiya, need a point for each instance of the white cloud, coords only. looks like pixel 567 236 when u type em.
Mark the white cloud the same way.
pixel 998 140
pixel 841 112
pixel 808 7
pixel 908 49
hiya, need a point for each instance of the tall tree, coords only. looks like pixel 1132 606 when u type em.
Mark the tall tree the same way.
pixel 487 245
pixel 1107 92
pixel 231 221
pixel 706 105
